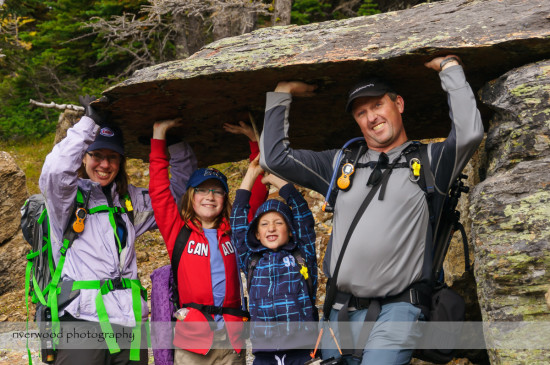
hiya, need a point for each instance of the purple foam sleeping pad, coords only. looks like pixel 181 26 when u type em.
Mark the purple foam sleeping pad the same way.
pixel 162 311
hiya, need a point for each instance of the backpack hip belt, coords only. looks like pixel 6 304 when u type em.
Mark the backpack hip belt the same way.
pixel 106 286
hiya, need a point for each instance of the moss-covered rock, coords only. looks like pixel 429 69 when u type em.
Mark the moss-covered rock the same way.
pixel 511 214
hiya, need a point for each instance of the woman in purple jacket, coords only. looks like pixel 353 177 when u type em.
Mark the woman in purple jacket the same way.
pixel 99 270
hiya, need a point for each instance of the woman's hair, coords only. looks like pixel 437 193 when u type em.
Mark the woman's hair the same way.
pixel 187 213
pixel 121 179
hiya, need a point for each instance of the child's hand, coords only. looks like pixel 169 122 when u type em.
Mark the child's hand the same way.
pixel 254 170
pixel 160 128
pixel 274 180
pixel 242 128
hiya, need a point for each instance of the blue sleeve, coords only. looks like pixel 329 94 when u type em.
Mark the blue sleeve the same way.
pixel 304 225
pixel 239 226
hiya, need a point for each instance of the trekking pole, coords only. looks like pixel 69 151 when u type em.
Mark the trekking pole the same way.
pixel 253 122
pixel 449 221
pixel 334 338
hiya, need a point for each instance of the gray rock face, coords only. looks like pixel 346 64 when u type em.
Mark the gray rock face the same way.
pixel 229 78
pixel 13 192
pixel 13 263
pixel 511 213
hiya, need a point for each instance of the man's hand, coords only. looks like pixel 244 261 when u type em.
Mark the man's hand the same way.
pixel 435 64
pixel 296 88
pixel 242 128
pixel 89 111
pixel 160 128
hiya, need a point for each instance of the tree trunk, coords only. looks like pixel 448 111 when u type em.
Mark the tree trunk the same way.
pixel 180 40
pixel 232 21
pixel 281 12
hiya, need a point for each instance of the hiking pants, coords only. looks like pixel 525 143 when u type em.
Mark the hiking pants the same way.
pixel 391 341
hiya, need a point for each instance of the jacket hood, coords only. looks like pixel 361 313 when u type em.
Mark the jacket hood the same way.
pixel 271 205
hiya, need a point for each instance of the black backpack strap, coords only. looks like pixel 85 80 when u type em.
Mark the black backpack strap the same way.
pixel 252 263
pixel 179 246
pixel 309 281
pixel 349 155
pixel 81 201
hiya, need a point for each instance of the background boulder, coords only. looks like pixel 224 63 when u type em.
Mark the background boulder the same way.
pixel 511 215
pixel 13 192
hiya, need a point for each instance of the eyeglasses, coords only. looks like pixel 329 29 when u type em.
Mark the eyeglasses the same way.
pixel 218 193
pixel 376 175
pixel 99 157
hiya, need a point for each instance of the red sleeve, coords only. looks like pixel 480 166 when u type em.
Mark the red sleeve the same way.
pixel 254 149
pixel 259 191
pixel 164 206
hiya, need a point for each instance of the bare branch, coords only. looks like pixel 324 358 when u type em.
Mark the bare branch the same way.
pixel 53 105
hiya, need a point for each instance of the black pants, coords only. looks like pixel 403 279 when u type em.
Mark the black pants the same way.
pixel 90 350
pixel 289 357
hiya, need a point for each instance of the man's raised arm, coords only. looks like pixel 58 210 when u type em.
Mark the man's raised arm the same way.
pixel 306 168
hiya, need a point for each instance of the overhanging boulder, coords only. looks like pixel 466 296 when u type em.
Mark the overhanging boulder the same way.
pixel 229 78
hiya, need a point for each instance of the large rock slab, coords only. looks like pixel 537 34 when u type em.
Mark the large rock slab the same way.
pixel 13 192
pixel 511 217
pixel 227 79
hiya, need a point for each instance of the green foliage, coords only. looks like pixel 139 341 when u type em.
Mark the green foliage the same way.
pixel 368 8
pixel 309 11
pixel 52 57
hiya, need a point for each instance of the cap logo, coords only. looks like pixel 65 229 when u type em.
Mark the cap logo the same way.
pixel 211 171
pixel 106 132
pixel 361 88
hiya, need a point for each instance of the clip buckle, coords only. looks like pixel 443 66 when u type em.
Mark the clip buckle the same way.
pixel 415 166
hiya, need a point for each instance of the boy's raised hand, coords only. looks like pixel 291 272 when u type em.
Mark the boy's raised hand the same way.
pixel 242 128
pixel 253 171
pixel 274 180
pixel 160 128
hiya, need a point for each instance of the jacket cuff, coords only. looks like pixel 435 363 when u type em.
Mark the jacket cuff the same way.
pixel 242 196
pixel 287 190
pixel 452 78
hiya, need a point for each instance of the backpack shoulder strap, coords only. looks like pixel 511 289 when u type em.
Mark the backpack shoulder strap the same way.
pixel 308 279
pixel 425 180
pixel 126 202
pixel 179 247
pixel 304 271
pixel 343 173
pixel 252 263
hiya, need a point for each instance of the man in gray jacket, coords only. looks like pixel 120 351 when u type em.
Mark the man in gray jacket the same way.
pixel 390 248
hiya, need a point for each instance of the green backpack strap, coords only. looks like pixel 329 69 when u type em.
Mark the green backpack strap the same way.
pixel 68 238
pixel 106 286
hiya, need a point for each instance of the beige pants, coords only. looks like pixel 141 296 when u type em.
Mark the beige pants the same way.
pixel 221 353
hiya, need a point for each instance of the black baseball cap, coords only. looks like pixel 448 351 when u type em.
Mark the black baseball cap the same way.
pixel 109 137
pixel 372 86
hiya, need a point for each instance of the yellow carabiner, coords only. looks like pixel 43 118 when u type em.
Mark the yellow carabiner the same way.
pixel 129 206
pixel 304 272
pixel 415 166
